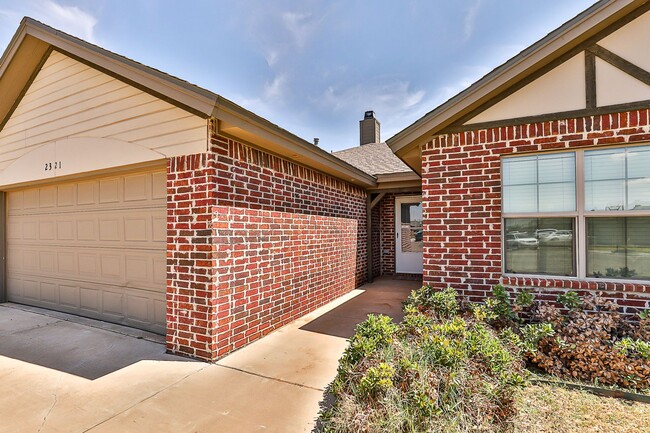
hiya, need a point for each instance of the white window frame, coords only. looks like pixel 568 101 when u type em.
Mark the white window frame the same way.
pixel 579 216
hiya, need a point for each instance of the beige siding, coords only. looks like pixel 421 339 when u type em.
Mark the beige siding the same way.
pixel 94 247
pixel 561 89
pixel 69 99
pixel 616 87
pixel 631 41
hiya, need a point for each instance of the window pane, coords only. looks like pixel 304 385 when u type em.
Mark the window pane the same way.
pixel 540 246
pixel 557 168
pixel 638 163
pixel 604 195
pixel 618 248
pixel 638 194
pixel 557 197
pixel 544 183
pixel 605 164
pixel 411 233
pixel 520 171
pixel 520 198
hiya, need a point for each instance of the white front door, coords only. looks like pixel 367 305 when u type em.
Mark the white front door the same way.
pixel 408 235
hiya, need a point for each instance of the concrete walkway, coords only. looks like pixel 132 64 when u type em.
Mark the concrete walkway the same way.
pixel 60 373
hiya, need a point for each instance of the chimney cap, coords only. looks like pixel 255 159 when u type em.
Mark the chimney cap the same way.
pixel 369 114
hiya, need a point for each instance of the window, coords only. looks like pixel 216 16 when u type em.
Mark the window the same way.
pixel 581 214
pixel 542 191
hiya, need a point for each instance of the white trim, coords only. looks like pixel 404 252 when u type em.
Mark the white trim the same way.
pixel 417 265
pixel 579 217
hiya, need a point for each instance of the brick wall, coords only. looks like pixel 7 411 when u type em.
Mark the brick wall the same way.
pixel 191 294
pixel 462 200
pixel 217 299
pixel 376 242
pixel 387 236
pixel 250 178
pixel 274 267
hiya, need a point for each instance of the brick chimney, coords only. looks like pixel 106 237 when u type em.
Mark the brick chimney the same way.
pixel 369 129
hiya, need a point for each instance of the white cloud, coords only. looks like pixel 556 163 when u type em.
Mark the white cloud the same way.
pixel 300 26
pixel 470 19
pixel 69 19
pixel 272 57
pixel 393 96
pixel 276 88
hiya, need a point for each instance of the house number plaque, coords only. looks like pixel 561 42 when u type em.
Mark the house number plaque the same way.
pixel 53 165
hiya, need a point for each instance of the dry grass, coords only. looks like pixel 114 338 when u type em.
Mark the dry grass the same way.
pixel 549 408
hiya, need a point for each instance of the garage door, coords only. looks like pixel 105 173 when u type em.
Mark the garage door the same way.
pixel 94 247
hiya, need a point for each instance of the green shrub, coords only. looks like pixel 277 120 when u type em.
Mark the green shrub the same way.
pixel 570 300
pixel 440 303
pixel 377 380
pixel 435 372
pixel 628 346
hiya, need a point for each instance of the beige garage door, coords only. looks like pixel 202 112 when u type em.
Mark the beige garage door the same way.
pixel 94 247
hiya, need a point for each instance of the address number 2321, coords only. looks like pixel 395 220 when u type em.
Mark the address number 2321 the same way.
pixel 53 165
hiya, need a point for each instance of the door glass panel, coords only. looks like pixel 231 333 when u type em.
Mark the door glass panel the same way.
pixel 411 227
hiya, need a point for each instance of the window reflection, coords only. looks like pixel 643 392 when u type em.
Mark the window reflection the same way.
pixel 540 246
pixel 617 179
pixel 618 248
pixel 411 227
pixel 541 183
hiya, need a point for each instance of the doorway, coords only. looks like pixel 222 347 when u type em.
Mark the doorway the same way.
pixel 408 235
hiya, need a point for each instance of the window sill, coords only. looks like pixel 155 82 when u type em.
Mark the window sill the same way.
pixel 578 281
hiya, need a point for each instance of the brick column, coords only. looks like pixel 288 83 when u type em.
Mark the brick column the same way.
pixel 191 292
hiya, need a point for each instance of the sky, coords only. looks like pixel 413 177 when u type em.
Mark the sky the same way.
pixel 312 66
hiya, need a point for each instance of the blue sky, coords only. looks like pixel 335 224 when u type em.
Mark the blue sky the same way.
pixel 312 66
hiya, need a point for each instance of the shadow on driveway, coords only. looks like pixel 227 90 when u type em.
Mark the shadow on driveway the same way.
pixel 383 296
pixel 82 347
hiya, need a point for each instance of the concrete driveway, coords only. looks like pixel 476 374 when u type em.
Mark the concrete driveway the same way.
pixel 61 373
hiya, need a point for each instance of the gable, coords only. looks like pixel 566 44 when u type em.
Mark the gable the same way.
pixel 561 89
pixel 619 74
pixel 68 100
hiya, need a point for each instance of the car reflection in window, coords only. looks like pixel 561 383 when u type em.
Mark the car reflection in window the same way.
pixel 521 240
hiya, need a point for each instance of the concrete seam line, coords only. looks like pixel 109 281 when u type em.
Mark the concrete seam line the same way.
pixel 269 377
pixel 145 399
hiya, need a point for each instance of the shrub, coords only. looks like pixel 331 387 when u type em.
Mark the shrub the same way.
pixel 436 372
pixel 442 304
pixel 570 300
pixel 592 343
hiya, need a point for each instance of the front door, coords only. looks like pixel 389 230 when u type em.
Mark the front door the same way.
pixel 408 235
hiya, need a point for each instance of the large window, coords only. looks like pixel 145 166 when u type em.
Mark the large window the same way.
pixel 580 214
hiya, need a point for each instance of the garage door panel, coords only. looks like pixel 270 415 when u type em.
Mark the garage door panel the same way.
pixel 132 228
pixel 129 306
pixel 93 247
pixel 69 296
pixel 142 269
pixel 65 195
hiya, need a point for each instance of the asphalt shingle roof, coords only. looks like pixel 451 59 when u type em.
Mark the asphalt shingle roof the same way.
pixel 375 158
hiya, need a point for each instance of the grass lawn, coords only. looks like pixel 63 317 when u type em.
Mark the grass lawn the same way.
pixel 550 408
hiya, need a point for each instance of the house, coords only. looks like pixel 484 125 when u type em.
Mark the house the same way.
pixel 538 175
pixel 134 197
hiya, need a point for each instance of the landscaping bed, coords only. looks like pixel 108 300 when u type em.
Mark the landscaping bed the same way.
pixel 452 366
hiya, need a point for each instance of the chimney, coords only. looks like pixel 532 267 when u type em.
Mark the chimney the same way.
pixel 369 129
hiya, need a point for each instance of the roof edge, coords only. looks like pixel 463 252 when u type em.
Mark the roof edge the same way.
pixel 299 145
pixel 564 36
pixel 190 97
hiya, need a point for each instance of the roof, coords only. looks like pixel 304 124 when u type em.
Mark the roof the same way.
pixel 590 24
pixel 374 159
pixel 33 42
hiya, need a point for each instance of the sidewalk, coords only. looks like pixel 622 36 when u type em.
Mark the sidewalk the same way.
pixel 273 385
